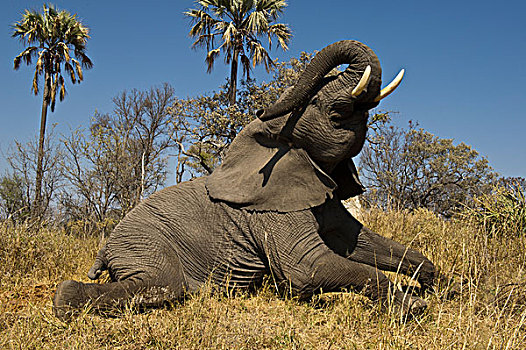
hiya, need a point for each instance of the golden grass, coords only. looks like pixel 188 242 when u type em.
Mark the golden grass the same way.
pixel 490 312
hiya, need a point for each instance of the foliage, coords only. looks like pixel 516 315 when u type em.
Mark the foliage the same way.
pixel 121 159
pixel 238 25
pixel 206 125
pixel 14 203
pixel 502 212
pixel 58 40
pixel 412 168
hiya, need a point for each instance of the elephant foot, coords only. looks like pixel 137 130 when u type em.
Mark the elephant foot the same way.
pixel 407 306
pixel 417 306
pixel 69 299
pixel 441 285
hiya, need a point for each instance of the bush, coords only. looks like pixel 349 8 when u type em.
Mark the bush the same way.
pixel 501 212
pixel 412 168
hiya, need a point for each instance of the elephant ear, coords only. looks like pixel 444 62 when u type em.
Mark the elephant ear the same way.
pixel 264 173
pixel 346 176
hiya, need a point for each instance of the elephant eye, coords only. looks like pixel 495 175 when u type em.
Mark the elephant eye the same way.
pixel 341 111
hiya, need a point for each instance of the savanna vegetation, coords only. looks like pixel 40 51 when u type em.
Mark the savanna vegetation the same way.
pixel 489 313
pixel 437 196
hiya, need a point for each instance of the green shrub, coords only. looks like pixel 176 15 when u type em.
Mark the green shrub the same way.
pixel 501 212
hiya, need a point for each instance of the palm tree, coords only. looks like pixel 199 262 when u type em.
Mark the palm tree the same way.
pixel 51 36
pixel 236 26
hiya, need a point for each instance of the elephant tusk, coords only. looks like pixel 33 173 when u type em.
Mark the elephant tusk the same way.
pixel 364 80
pixel 391 87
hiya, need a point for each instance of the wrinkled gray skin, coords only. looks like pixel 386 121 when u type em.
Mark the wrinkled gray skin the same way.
pixel 272 207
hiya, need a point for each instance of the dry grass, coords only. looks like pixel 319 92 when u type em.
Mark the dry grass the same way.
pixel 490 313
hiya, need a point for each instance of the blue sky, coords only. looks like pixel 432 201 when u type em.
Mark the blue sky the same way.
pixel 465 63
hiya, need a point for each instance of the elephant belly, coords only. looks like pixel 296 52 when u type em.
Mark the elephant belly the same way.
pixel 213 241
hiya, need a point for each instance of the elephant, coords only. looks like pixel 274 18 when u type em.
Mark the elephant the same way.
pixel 273 207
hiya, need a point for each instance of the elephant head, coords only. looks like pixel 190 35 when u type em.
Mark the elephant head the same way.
pixel 299 151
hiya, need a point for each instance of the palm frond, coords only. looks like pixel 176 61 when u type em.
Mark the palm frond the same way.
pixel 62 88
pixel 257 22
pixel 208 3
pixel 221 26
pixel 205 40
pixel 260 55
pixel 84 59
pixel 34 86
pixel 53 93
pixel 248 5
pixel 40 63
pixel 64 50
pixel 26 55
pixel 210 59
pixel 78 69
pixel 16 62
pixel 276 6
pixel 230 35
pixel 282 32
pixel 226 8
pixel 245 63
pixel 69 69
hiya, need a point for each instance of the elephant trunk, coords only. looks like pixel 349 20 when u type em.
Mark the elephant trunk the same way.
pixel 357 55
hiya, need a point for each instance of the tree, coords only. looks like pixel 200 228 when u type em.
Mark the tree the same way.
pixel 412 168
pixel 121 159
pixel 205 126
pixel 22 160
pixel 500 212
pixel 13 202
pixel 238 24
pixel 51 36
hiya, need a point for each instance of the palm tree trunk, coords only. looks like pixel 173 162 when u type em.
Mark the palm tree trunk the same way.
pixel 38 205
pixel 233 79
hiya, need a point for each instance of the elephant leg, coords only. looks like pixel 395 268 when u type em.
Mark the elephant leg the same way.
pixel 300 260
pixel 71 296
pixel 334 273
pixel 141 281
pixel 388 255
pixel 99 265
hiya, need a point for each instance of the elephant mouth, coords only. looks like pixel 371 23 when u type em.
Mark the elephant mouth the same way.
pixel 365 106
pixel 357 120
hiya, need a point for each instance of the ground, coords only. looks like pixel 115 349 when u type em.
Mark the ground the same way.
pixel 489 313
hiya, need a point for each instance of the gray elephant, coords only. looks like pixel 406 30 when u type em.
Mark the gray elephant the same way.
pixel 272 207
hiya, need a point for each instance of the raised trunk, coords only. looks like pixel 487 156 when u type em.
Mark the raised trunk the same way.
pixel 38 205
pixel 353 53
pixel 233 79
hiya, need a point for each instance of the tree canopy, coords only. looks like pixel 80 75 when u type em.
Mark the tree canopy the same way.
pixel 411 168
pixel 234 27
pixel 57 39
